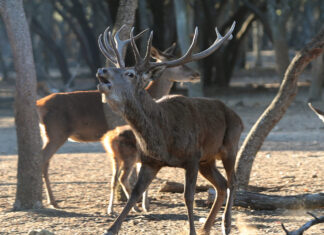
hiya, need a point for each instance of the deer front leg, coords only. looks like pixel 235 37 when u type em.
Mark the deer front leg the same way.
pixel 189 192
pixel 145 200
pixel 146 175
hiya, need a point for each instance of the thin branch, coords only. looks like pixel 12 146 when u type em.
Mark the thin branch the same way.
pixel 306 226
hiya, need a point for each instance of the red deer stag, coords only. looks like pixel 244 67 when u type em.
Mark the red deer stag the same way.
pixel 120 143
pixel 80 116
pixel 176 131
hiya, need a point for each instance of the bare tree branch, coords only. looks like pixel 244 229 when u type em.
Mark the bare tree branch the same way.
pixel 304 227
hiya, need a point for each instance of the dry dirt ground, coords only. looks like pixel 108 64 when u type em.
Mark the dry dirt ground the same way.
pixel 291 162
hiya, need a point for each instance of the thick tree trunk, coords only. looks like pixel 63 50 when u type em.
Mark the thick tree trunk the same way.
pixel 315 90
pixel 275 111
pixel 29 177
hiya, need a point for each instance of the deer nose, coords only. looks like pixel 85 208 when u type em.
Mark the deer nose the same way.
pixel 102 71
pixel 102 75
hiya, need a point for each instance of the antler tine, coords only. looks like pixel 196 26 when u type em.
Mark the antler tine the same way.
pixel 148 48
pixel 137 55
pixel 121 63
pixel 104 51
pixel 106 42
pixel 122 43
pixel 218 42
pixel 188 57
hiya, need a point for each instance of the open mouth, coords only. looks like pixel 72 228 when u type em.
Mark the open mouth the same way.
pixel 103 80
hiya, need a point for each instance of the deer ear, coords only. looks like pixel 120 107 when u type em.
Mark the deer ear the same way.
pixel 170 50
pixel 155 53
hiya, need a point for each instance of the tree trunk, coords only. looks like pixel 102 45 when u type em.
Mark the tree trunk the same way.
pixel 3 68
pixel 184 21
pixel 29 177
pixel 257 36
pixel 281 54
pixel 315 90
pixel 278 30
pixel 275 111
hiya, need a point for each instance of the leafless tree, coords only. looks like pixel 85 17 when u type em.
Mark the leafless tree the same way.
pixel 275 111
pixel 29 182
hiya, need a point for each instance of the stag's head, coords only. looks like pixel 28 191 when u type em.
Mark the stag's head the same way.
pixel 120 83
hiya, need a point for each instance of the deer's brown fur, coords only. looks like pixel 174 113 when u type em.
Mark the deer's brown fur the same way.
pixel 79 115
pixel 176 131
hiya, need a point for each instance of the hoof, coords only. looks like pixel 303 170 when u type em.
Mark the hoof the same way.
pixel 136 209
pixel 203 232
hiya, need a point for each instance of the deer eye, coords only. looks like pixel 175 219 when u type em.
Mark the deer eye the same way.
pixel 130 74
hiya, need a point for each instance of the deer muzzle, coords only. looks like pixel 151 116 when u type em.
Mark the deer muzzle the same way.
pixel 102 75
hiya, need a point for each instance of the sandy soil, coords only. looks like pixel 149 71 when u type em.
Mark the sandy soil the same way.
pixel 291 162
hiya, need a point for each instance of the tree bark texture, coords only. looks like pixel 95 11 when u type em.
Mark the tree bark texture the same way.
pixel 277 21
pixel 315 90
pixel 275 111
pixel 29 177
pixel 258 201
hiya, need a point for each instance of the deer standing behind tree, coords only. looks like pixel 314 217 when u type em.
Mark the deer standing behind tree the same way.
pixel 176 131
pixel 79 115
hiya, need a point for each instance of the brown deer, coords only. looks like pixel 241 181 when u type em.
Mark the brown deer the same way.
pixel 79 115
pixel 174 131
pixel 120 143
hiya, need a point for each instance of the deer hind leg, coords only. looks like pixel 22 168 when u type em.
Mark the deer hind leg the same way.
pixel 146 175
pixel 210 172
pixel 189 193
pixel 50 148
pixel 126 171
pixel 113 185
pixel 229 164
pixel 230 146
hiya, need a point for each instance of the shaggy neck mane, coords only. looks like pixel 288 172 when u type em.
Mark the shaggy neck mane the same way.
pixel 145 117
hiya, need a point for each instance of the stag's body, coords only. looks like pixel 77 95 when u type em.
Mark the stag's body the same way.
pixel 191 133
pixel 80 116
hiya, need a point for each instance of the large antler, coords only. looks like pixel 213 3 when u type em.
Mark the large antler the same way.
pixel 145 65
pixel 112 47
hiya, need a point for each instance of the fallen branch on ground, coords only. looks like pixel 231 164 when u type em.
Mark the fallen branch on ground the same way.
pixel 260 201
pixel 256 201
pixel 174 187
pixel 306 226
